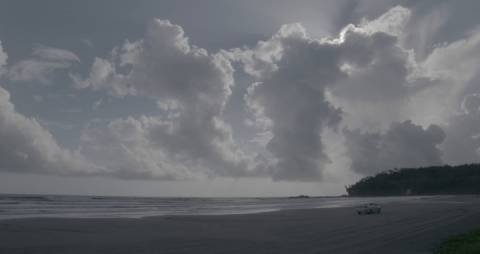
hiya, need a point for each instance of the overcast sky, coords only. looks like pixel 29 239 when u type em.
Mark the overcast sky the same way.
pixel 233 98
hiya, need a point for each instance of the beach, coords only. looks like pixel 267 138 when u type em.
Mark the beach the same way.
pixel 402 227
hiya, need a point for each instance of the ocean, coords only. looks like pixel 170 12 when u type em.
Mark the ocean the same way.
pixel 13 206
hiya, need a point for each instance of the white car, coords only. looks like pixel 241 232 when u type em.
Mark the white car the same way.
pixel 370 208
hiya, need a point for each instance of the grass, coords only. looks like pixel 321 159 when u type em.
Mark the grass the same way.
pixel 461 244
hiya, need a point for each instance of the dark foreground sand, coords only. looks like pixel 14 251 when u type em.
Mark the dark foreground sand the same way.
pixel 402 228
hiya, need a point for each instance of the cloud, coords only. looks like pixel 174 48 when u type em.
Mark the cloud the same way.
pixel 471 104
pixel 124 148
pixel 3 60
pixel 452 100
pixel 143 149
pixel 97 104
pixel 42 64
pixel 380 73
pixel 454 69
pixel 463 133
pixel 392 22
pixel 27 147
pixel 437 91
pixel 455 61
pixel 364 82
pixel 296 76
pixel 402 145
pixel 87 42
pixel 55 54
pixel 425 28
pixel 377 68
pixel 191 87
pixel 288 100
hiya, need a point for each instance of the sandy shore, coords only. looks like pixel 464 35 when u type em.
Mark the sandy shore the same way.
pixel 403 227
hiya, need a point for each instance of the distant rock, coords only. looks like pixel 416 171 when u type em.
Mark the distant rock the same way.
pixel 300 196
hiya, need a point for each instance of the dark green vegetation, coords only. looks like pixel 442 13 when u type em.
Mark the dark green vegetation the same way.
pixel 462 244
pixel 463 179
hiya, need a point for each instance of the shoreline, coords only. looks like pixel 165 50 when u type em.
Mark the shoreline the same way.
pixel 403 227
pixel 91 207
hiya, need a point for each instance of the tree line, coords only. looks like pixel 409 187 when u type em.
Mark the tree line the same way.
pixel 435 180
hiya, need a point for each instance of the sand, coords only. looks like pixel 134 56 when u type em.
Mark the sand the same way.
pixel 403 227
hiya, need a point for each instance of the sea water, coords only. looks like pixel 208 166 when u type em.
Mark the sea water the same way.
pixel 56 206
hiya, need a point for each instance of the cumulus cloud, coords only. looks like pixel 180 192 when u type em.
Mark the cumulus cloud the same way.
pixel 151 148
pixel 452 100
pixel 27 147
pixel 380 76
pixel 379 70
pixel 453 68
pixel 392 22
pixel 124 148
pixel 437 91
pixel 364 82
pixel 440 89
pixel 402 145
pixel 288 100
pixel 42 64
pixel 302 82
pixel 191 87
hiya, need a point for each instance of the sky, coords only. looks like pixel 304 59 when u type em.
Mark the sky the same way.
pixel 233 98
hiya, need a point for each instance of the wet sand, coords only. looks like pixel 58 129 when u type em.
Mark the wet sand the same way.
pixel 403 227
